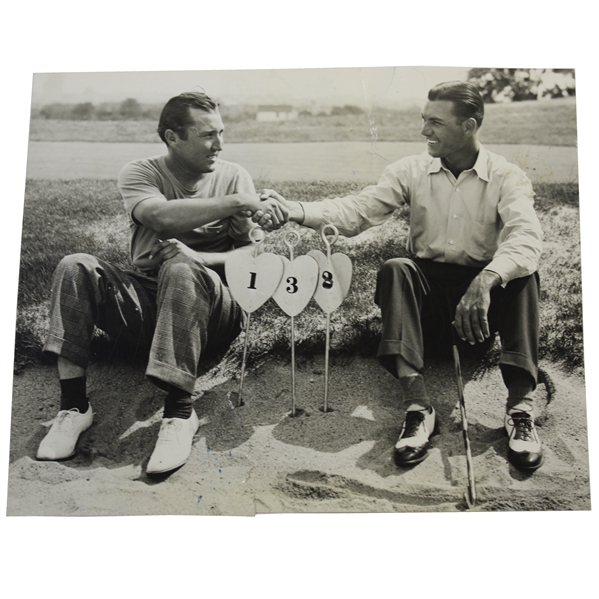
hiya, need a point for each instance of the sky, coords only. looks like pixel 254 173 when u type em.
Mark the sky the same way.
pixel 365 87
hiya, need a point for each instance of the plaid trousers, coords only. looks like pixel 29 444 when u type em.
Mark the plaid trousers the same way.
pixel 177 317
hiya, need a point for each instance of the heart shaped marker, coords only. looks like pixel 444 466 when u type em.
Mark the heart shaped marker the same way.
pixel 334 279
pixel 297 285
pixel 253 280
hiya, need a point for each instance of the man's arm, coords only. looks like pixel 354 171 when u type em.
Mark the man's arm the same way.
pixel 169 248
pixel 352 214
pixel 517 255
pixel 521 237
pixel 149 207
pixel 168 219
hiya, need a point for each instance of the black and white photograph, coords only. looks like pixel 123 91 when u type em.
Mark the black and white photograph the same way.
pixel 317 290
pixel 294 298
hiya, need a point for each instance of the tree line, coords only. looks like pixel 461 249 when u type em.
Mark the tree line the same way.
pixel 517 85
pixel 128 110
pixel 495 85
pixel 131 110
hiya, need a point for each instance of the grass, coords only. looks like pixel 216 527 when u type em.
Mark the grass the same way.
pixel 537 123
pixel 63 217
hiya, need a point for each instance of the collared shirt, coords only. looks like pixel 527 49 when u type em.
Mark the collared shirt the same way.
pixel 484 218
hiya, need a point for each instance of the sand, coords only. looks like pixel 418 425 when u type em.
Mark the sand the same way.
pixel 257 459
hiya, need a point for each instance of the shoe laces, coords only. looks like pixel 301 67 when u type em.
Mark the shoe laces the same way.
pixel 170 428
pixel 414 420
pixel 523 425
pixel 64 420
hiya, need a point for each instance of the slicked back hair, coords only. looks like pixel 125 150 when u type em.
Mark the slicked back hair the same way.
pixel 467 101
pixel 175 114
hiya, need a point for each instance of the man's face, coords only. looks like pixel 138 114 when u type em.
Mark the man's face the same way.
pixel 444 134
pixel 204 141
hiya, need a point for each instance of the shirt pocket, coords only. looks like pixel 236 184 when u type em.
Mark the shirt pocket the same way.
pixel 483 240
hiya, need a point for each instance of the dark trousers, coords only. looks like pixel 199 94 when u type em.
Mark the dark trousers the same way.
pixel 418 300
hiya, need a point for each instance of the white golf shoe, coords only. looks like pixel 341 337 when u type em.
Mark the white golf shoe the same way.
pixel 61 439
pixel 174 444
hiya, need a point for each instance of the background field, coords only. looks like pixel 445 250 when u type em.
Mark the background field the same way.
pixel 550 123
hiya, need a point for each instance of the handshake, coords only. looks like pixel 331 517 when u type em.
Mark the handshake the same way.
pixel 271 210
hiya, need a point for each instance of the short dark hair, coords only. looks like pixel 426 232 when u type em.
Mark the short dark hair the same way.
pixel 175 114
pixel 467 101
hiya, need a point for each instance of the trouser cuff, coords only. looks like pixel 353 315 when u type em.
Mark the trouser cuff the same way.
pixel 520 361
pixel 163 375
pixel 57 346
pixel 389 350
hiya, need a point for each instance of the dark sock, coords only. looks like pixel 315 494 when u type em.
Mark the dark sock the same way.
pixel 73 394
pixel 178 404
pixel 414 391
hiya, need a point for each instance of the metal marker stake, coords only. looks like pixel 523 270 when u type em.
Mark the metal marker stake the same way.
pixel 292 368
pixel 328 323
pixel 288 237
pixel 245 353
pixel 259 241
pixel 300 277
pixel 326 364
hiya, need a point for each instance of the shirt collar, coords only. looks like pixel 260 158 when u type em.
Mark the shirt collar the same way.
pixel 480 166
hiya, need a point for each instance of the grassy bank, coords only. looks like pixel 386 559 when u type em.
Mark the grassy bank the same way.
pixel 537 123
pixel 63 217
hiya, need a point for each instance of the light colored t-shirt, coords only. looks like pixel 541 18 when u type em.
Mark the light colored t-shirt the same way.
pixel 484 218
pixel 151 178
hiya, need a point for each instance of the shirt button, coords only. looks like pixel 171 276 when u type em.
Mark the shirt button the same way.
pixel 454 216
pixel 451 242
pixel 457 189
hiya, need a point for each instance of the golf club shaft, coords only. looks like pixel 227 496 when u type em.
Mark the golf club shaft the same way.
pixel 458 372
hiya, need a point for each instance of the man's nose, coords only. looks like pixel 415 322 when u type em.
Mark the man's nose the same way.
pixel 425 130
pixel 217 144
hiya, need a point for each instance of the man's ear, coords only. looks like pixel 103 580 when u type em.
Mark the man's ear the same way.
pixel 171 137
pixel 470 126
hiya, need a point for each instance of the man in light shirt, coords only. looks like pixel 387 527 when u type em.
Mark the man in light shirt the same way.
pixel 475 242
pixel 188 210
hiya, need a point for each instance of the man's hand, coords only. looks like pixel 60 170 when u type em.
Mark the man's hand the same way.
pixel 268 214
pixel 165 250
pixel 471 316
pixel 272 213
pixel 293 210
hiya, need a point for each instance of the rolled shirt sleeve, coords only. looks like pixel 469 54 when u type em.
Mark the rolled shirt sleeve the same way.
pixel 521 235
pixel 356 213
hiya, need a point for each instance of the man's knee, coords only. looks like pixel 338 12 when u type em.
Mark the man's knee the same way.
pixel 391 276
pixel 80 260
pixel 185 271
pixel 74 268
pixel 180 265
pixel 396 267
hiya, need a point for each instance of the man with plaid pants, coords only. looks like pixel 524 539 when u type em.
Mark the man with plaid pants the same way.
pixel 188 210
